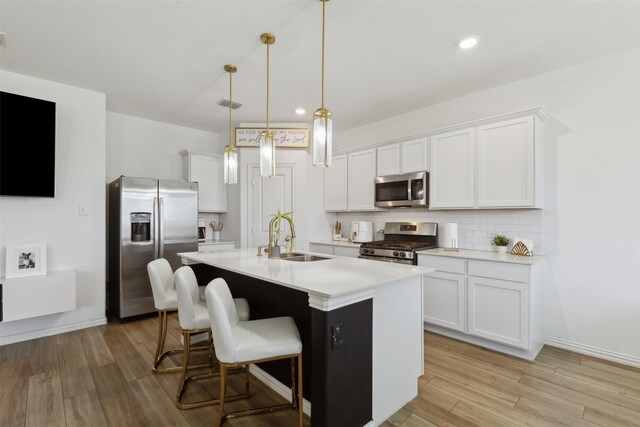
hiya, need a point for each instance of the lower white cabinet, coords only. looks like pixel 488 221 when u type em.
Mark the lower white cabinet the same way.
pixel 26 297
pixel 216 246
pixel 339 250
pixel 497 305
pixel 444 300
pixel 498 310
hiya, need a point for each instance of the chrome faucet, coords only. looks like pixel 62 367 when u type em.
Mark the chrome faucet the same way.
pixel 271 250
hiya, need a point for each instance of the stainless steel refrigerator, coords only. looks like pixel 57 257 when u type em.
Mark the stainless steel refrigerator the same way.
pixel 148 219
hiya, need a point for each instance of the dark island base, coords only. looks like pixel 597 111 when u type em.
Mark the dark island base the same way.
pixel 337 347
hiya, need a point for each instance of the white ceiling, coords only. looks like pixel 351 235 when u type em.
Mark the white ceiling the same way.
pixel 164 60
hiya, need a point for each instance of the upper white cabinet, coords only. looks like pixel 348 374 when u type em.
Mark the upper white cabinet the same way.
pixel 388 160
pixel 405 157
pixel 415 155
pixel 348 183
pixel 335 185
pixel 207 170
pixel 361 173
pixel 506 162
pixel 493 165
pixel 452 176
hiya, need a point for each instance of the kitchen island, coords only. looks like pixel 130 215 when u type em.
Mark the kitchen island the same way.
pixel 360 322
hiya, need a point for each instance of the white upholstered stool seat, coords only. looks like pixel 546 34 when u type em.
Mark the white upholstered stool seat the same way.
pixel 194 319
pixel 242 342
pixel 265 338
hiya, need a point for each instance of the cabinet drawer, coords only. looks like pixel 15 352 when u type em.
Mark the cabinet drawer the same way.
pixel 321 249
pixel 448 265
pixel 344 251
pixel 499 270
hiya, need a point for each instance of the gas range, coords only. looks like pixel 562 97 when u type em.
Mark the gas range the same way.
pixel 401 241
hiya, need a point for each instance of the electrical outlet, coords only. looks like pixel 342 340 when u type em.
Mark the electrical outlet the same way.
pixel 336 336
pixel 82 210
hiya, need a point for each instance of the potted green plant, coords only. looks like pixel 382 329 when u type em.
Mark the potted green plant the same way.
pixel 277 230
pixel 500 242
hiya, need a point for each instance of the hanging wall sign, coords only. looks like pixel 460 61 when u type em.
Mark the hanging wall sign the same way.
pixel 282 137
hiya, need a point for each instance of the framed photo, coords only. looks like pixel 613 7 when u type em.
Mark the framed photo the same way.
pixel 26 260
pixel 282 137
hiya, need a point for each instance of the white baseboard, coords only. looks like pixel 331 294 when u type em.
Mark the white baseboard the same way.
pixel 593 351
pixel 10 339
pixel 278 387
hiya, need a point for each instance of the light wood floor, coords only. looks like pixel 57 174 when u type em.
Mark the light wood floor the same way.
pixel 101 377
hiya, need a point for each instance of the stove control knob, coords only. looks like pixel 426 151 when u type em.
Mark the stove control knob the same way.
pixel 395 254
pixel 402 254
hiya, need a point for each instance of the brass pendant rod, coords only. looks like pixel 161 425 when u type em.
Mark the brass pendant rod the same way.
pixel 324 4
pixel 231 142
pixel 267 89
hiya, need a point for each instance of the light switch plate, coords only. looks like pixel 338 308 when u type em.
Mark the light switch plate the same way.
pixel 82 210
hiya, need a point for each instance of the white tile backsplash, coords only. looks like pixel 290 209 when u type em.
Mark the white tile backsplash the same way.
pixel 475 227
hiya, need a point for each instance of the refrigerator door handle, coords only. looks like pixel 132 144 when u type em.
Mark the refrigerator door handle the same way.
pixel 161 227
pixel 154 228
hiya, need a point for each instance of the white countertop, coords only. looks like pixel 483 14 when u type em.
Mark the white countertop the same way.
pixel 326 278
pixel 483 256
pixel 345 243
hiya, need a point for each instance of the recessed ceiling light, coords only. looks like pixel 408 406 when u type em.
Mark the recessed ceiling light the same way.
pixel 300 111
pixel 468 42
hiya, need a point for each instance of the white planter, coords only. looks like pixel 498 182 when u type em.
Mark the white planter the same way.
pixel 501 249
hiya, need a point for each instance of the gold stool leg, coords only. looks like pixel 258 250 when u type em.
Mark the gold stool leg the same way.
pixel 223 387
pixel 186 336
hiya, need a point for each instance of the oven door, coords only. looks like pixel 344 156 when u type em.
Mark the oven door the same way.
pixel 387 259
pixel 406 190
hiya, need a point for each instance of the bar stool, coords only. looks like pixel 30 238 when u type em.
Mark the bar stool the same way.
pixel 194 319
pixel 166 301
pixel 239 342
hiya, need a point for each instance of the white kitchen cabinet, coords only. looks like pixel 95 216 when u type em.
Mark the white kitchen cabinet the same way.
pixel 452 171
pixel 505 163
pixel 415 155
pixel 335 185
pixel 361 174
pixel 498 310
pixel 209 246
pixel 444 300
pixel 494 304
pixel 34 296
pixel 388 160
pixel 490 166
pixel 207 170
pixel 352 250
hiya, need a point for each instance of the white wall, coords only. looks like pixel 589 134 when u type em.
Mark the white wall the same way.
pixel 146 148
pixel 591 226
pixel 73 242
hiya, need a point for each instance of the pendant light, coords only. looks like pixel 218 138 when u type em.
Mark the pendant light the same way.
pixel 267 146
pixel 322 126
pixel 230 152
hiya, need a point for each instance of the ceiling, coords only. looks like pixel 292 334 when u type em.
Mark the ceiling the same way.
pixel 163 60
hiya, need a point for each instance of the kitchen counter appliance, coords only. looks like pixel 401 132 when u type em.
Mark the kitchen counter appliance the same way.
pixel 401 242
pixel 402 191
pixel 361 231
pixel 148 219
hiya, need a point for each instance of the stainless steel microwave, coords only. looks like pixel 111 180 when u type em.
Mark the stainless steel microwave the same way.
pixel 402 191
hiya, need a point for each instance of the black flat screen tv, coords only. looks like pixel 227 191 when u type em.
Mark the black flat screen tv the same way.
pixel 27 146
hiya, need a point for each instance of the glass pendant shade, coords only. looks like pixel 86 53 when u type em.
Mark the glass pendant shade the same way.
pixel 267 154
pixel 322 140
pixel 230 165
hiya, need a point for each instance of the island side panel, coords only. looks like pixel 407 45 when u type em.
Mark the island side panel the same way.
pixel 398 346
pixel 268 300
pixel 343 367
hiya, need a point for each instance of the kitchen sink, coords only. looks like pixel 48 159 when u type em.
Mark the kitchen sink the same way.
pixel 299 257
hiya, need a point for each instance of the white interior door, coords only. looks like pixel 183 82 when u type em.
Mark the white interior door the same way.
pixel 266 196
